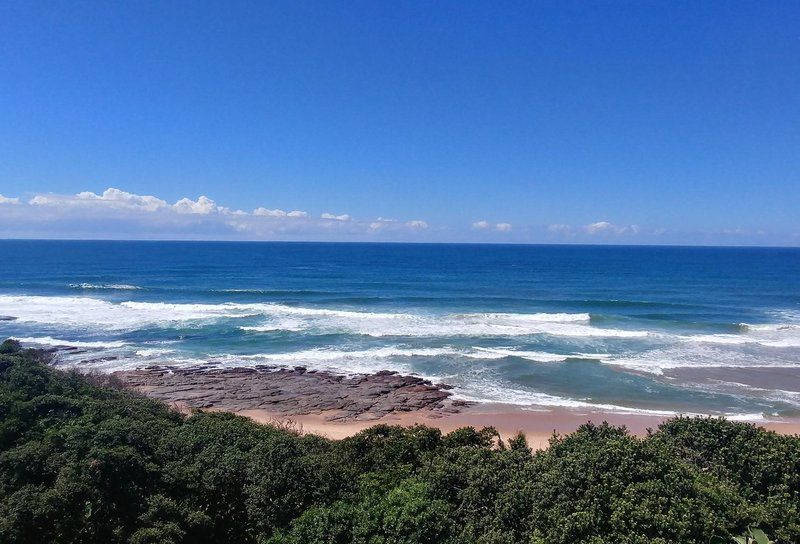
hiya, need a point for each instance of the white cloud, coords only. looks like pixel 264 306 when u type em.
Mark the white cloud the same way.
pixel 278 213
pixel 600 226
pixel 269 213
pixel 8 200
pixel 203 205
pixel 330 216
pixel 42 200
pixel 485 225
pixel 417 224
pixel 117 198
pixel 605 227
pixel 111 198
pixel 381 223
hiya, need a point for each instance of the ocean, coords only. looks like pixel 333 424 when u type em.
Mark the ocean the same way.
pixel 661 330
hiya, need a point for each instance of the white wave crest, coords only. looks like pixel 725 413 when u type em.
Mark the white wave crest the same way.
pixel 333 355
pixel 537 356
pixel 110 286
pixel 278 325
pixel 153 352
pixel 770 327
pixel 381 324
pixel 777 335
pixel 502 394
pixel 57 342
pixel 91 313
pixel 698 354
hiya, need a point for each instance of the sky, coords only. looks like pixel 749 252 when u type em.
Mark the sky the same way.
pixel 624 122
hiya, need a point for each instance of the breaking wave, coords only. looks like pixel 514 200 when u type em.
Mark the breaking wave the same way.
pixel 57 342
pixel 85 312
pixel 110 286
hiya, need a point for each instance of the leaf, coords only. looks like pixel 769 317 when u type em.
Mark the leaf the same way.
pixel 760 536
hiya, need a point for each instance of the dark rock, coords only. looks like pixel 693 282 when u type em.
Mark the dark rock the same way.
pixel 292 391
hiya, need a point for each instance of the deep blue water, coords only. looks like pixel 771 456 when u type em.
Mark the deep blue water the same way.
pixel 533 325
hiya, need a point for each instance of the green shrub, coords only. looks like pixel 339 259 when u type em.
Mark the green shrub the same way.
pixel 85 463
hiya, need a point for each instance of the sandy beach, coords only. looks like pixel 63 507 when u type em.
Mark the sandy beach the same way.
pixel 538 425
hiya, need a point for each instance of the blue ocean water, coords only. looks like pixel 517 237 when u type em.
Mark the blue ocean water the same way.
pixel 652 329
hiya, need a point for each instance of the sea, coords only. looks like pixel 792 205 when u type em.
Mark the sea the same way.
pixel 661 330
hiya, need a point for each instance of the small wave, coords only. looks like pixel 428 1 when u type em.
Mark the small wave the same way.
pixel 282 324
pixel 153 352
pixel 57 342
pixel 110 286
pixel 537 356
pixel 769 327
pixel 497 393
pixel 535 318
pixel 694 353
pixel 274 292
pixel 501 394
pixel 776 336
pixel 345 362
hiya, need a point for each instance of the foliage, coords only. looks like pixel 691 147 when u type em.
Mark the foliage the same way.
pixel 751 536
pixel 82 461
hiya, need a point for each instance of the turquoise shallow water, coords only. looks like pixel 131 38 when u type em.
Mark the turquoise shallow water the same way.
pixel 578 326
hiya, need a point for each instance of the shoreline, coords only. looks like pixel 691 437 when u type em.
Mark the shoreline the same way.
pixel 538 426
pixel 338 406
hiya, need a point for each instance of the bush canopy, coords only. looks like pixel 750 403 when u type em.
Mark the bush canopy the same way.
pixel 88 463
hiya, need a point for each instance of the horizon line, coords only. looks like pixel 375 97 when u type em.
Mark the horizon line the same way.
pixel 389 242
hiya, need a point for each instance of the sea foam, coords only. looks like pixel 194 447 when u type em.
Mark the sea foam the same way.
pixel 57 342
pixel 85 312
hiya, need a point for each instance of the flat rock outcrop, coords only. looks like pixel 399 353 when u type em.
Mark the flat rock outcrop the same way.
pixel 294 391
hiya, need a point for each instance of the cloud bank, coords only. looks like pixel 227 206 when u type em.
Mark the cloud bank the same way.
pixel 118 214
pixel 115 213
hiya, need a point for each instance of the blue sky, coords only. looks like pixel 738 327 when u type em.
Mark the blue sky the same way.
pixel 599 122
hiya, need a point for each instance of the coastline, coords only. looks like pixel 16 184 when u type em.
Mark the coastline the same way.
pixel 337 406
pixel 537 425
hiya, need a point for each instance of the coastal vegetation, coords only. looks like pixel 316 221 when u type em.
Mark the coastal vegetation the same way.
pixel 84 461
